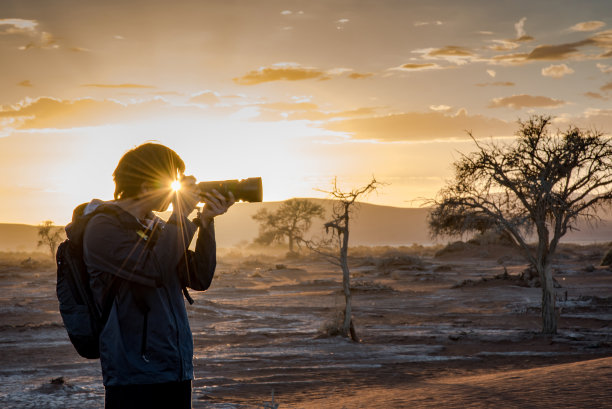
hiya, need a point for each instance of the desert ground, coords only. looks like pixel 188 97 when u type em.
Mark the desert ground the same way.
pixel 443 328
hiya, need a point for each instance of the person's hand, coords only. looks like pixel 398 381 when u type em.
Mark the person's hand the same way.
pixel 186 198
pixel 215 204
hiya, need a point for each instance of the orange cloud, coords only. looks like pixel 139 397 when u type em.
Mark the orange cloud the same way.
pixel 279 73
pixel 525 101
pixel 450 51
pixel 46 112
pixel 417 67
pixel 25 83
pixel 496 84
pixel 415 126
pixel 358 76
pixel 607 87
pixel 595 95
pixel 587 26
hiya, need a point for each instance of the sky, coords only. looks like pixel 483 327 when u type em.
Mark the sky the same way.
pixel 297 92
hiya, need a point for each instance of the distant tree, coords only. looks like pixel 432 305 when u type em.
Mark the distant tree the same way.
pixel 49 236
pixel 334 247
pixel 542 181
pixel 290 221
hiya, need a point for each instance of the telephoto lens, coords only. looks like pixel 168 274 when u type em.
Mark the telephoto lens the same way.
pixel 247 190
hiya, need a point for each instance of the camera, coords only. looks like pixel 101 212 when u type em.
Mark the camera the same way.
pixel 247 190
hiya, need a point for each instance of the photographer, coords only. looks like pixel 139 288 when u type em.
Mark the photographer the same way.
pixel 139 269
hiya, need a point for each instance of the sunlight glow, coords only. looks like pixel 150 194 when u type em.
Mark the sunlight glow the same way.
pixel 176 185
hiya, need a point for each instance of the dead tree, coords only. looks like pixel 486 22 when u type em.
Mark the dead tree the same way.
pixel 334 247
pixel 543 182
pixel 50 236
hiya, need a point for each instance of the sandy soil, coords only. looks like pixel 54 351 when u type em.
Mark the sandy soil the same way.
pixel 429 338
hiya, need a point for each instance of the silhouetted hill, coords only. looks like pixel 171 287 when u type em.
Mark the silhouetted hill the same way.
pixel 371 225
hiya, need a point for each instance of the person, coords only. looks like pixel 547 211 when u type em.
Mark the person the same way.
pixel 140 267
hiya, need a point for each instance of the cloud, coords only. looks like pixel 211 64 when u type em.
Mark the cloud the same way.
pixel 79 49
pixel 496 84
pixel 417 67
pixel 25 83
pixel 525 101
pixel 117 86
pixel 595 95
pixel 557 52
pixel 520 28
pixel 565 51
pixel 17 26
pixel 47 112
pixel 46 41
pixel 504 45
pixel 491 73
pixel 426 23
pixel 440 108
pixel 557 71
pixel 280 72
pixel 450 51
pixel 286 12
pixel 359 76
pixel 606 87
pixel 587 26
pixel 417 126
pixel 604 68
pixel 205 98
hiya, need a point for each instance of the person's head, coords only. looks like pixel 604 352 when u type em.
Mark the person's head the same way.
pixel 147 172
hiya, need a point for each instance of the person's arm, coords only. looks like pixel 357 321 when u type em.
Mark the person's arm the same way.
pixel 198 269
pixel 110 247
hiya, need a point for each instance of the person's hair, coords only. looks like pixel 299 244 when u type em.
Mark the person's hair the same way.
pixel 150 162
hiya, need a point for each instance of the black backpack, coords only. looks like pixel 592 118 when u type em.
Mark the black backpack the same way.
pixel 82 320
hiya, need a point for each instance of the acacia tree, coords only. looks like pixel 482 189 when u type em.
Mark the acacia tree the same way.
pixel 291 221
pixel 335 246
pixel 49 235
pixel 543 182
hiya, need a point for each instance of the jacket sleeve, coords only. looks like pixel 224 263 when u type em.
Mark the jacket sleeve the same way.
pixel 111 248
pixel 198 267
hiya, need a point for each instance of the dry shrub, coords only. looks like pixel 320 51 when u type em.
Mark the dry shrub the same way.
pixel 333 327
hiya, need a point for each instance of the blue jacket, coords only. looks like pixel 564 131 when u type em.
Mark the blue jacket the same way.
pixel 147 338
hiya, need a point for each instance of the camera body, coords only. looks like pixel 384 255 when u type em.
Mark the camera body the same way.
pixel 247 190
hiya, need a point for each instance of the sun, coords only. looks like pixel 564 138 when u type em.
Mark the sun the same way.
pixel 176 185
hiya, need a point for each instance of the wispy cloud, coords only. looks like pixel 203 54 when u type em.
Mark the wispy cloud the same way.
pixel 588 26
pixel 496 84
pixel 18 26
pixel 607 87
pixel 525 101
pixel 417 67
pixel 280 72
pixel 595 95
pixel 557 71
pixel 359 76
pixel 205 98
pixel 452 53
pixel 44 41
pixel 25 83
pixel 427 23
pixel 417 126
pixel 604 68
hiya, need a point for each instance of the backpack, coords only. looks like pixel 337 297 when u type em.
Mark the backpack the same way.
pixel 81 317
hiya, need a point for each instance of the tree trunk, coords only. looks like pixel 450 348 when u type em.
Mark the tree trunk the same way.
pixel 346 285
pixel 290 244
pixel 549 313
